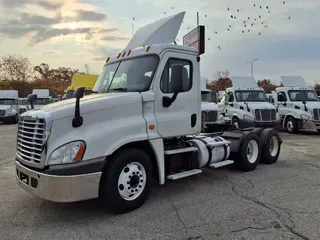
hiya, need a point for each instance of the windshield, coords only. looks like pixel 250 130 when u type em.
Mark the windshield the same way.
pixel 7 101
pixel 70 93
pixel 206 96
pixel 251 96
pixel 42 101
pixel 132 75
pixel 303 95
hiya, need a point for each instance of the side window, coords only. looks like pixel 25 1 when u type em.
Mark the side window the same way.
pixel 166 82
pixel 282 97
pixel 230 97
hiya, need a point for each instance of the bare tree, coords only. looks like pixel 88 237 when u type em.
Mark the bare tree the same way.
pixel 87 68
pixel 14 68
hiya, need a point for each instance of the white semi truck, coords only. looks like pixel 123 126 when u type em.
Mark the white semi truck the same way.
pixel 210 114
pixel 43 97
pixel 297 104
pixel 9 110
pixel 246 104
pixel 112 144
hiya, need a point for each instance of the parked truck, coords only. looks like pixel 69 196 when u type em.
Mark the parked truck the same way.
pixel 9 110
pixel 84 80
pixel 297 104
pixel 210 114
pixel 246 104
pixel 114 143
pixel 43 97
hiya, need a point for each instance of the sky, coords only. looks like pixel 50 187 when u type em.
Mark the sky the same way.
pixel 72 33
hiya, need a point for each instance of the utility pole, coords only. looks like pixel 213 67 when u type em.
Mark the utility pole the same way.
pixel 252 66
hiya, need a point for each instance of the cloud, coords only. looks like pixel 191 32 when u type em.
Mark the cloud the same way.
pixel 92 16
pixel 115 38
pixel 40 3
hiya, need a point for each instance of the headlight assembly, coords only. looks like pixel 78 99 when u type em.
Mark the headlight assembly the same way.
pixel 69 153
pixel 305 117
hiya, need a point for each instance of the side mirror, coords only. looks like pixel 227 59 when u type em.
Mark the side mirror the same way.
pixel 177 72
pixel 31 98
pixel 79 92
pixel 77 120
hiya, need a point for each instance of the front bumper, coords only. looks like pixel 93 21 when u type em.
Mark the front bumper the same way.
pixel 57 188
pixel 6 118
pixel 308 124
pixel 250 124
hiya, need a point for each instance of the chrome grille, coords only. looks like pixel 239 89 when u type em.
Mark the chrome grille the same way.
pixel 265 115
pixel 2 113
pixel 209 116
pixel 31 135
pixel 316 114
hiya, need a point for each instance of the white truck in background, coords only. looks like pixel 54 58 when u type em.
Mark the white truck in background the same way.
pixel 9 110
pixel 112 144
pixel 210 114
pixel 297 104
pixel 246 105
pixel 43 97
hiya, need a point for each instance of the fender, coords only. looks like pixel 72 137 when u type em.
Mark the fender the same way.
pixel 285 118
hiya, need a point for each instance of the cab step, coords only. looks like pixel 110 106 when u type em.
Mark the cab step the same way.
pixel 180 150
pixel 184 174
pixel 221 164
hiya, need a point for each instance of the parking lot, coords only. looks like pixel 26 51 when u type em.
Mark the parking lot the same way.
pixel 280 201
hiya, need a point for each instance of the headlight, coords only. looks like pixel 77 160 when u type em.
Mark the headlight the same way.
pixel 305 117
pixel 247 117
pixel 68 153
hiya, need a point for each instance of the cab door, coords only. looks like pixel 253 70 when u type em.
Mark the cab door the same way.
pixel 182 117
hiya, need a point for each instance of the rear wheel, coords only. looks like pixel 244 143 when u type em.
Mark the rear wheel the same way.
pixel 15 119
pixel 126 182
pixel 270 145
pixel 249 155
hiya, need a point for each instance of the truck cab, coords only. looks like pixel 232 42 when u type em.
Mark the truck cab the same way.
pixel 246 105
pixel 43 97
pixel 9 110
pixel 209 110
pixel 145 126
pixel 297 105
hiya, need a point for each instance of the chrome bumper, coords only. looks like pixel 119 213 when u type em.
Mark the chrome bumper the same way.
pixel 58 188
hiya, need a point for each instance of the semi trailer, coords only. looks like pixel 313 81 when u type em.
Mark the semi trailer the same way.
pixel 115 143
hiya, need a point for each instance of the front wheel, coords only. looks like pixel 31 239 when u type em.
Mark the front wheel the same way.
pixel 235 122
pixel 126 181
pixel 291 125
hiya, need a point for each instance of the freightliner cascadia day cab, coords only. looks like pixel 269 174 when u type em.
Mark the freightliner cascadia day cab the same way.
pixel 297 104
pixel 209 110
pixel 9 110
pixel 112 144
pixel 247 105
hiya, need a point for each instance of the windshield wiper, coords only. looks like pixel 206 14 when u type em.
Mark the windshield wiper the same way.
pixel 119 89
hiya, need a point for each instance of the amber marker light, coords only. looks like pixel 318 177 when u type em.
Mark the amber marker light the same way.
pixel 80 153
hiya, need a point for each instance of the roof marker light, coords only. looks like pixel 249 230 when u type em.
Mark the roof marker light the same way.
pixel 119 55
pixel 108 59
pixel 124 53
pixel 129 52
pixel 148 48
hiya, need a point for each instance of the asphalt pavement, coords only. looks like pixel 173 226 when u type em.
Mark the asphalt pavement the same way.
pixel 280 201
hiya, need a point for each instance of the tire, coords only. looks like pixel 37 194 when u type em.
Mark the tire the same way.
pixel 318 130
pixel 270 143
pixel 257 131
pixel 291 125
pixel 248 161
pixel 236 122
pixel 126 181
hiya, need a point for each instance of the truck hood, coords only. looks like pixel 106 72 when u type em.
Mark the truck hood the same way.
pixel 5 107
pixel 89 103
pixel 310 105
pixel 259 105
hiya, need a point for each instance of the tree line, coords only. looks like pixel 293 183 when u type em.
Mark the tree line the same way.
pixel 16 72
pixel 222 81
